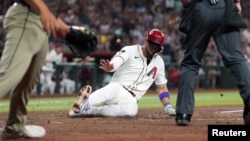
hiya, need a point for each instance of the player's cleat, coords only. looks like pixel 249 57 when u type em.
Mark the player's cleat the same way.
pixel 30 131
pixel 85 111
pixel 247 119
pixel 72 113
pixel 170 111
pixel 182 119
pixel 82 97
pixel 81 103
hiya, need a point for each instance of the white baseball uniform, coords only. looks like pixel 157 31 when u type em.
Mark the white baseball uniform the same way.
pixel 131 73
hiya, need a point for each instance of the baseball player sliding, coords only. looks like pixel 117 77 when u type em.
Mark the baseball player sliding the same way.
pixel 135 69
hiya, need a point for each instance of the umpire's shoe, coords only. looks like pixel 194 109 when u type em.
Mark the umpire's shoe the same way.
pixel 246 113
pixel 182 119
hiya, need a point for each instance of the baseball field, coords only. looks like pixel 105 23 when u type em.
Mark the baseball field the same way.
pixel 151 123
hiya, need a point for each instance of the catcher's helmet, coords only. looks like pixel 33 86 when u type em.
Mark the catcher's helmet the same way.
pixel 156 36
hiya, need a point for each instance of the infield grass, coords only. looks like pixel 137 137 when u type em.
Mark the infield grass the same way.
pixel 208 98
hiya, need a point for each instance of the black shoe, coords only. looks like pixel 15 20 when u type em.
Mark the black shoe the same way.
pixel 8 135
pixel 247 119
pixel 246 113
pixel 182 119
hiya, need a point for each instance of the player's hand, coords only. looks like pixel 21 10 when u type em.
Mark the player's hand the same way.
pixel 49 22
pixel 106 65
pixel 238 7
pixel 62 29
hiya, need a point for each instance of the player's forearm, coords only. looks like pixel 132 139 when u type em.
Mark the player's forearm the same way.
pixel 164 95
pixel 48 20
pixel 117 62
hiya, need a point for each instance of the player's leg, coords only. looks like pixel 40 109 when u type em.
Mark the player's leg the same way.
pixel 62 87
pixel 42 83
pixel 229 46
pixel 111 100
pixel 123 105
pixel 48 79
pixel 20 96
pixel 129 108
pixel 26 41
pixel 195 45
pixel 70 87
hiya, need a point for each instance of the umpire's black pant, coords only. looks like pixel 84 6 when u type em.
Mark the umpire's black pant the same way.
pixel 207 22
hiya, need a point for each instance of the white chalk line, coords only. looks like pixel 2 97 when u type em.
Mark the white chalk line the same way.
pixel 231 111
pixel 218 119
pixel 223 112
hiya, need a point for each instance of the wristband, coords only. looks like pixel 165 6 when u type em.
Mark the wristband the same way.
pixel 164 95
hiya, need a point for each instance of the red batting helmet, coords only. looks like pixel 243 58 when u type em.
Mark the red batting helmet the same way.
pixel 156 36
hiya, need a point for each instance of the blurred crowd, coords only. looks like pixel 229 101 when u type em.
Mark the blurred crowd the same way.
pixel 125 22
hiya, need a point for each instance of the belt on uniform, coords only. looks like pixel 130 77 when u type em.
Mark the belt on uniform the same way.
pixel 25 4
pixel 133 94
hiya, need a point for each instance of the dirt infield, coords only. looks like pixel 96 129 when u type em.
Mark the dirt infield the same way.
pixel 148 125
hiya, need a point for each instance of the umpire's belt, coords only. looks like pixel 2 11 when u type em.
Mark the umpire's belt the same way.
pixel 134 95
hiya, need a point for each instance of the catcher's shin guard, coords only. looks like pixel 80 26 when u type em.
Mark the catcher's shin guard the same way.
pixel 82 97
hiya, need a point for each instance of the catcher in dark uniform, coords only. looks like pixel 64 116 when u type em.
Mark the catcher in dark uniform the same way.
pixel 27 26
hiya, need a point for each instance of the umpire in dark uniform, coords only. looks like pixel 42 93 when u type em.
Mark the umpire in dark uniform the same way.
pixel 210 19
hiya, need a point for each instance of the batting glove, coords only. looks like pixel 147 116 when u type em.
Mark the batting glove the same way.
pixel 169 110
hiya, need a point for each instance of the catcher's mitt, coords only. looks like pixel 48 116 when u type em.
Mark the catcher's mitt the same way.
pixel 81 41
